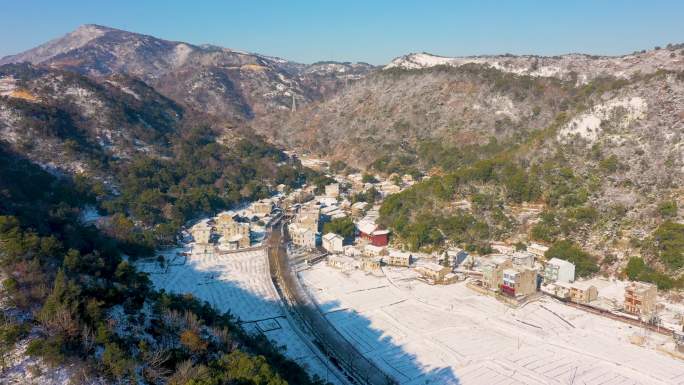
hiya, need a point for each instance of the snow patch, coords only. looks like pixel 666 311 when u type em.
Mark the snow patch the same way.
pixel 588 124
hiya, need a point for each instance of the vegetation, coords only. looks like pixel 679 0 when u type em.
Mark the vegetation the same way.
pixel 638 270
pixel 585 264
pixel 342 226
pixel 68 283
pixel 667 243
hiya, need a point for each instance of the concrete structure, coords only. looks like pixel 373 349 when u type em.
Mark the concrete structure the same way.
pixel 262 207
pixel 640 298
pixel 398 258
pixel 332 190
pixel 519 282
pixel 370 263
pixel 232 232
pixel 342 262
pixel 522 259
pixel 332 243
pixel 302 236
pixel 559 270
pixel 583 292
pixel 432 272
pixel 492 272
pixel 538 250
pixel 201 233
pixel 308 217
pixel 374 251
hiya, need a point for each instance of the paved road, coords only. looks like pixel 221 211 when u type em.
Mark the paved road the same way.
pixel 342 353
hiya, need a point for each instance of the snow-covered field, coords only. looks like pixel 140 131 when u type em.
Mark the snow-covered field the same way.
pixel 239 283
pixel 423 334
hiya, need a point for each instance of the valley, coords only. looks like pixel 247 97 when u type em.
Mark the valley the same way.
pixel 177 213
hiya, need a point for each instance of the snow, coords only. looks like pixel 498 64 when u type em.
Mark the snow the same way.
pixel 449 334
pixel 239 283
pixel 588 124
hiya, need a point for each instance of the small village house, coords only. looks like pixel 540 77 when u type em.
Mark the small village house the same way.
pixel 559 270
pixel 583 292
pixel 233 233
pixel 374 251
pixel 433 273
pixel 370 264
pixel 398 258
pixel 640 298
pixel 262 207
pixel 332 190
pixel 492 272
pixel 302 236
pixel 519 282
pixel 522 259
pixel 332 243
pixel 342 262
pixel 453 256
pixel 373 233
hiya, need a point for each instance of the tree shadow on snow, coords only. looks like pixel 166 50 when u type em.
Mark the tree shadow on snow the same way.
pixel 241 285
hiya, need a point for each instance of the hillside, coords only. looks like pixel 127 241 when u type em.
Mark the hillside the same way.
pixel 579 68
pixel 223 82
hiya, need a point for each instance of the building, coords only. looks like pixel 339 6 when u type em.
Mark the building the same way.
pixel 232 231
pixel 583 292
pixel 201 233
pixel 332 190
pixel 308 217
pixel 370 263
pixel 373 233
pixel 454 256
pixel 433 272
pixel 519 282
pixel 492 272
pixel 640 298
pixel 398 258
pixel 332 243
pixel 342 262
pixel 262 207
pixel 358 208
pixel 559 270
pixel 523 259
pixel 537 249
pixel 302 236
pixel 374 251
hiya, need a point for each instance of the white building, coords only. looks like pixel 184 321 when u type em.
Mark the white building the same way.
pixel 455 256
pixel 332 190
pixel 373 251
pixel 333 243
pixel 559 270
pixel 302 236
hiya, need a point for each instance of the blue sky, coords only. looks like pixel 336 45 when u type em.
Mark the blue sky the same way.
pixel 371 31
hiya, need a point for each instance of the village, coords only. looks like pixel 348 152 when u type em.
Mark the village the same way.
pixel 366 280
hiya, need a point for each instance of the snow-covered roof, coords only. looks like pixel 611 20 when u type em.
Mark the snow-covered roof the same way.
pixel 560 262
pixel 332 236
pixel 366 227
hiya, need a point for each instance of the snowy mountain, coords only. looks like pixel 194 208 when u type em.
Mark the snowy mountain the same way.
pixel 580 67
pixel 220 81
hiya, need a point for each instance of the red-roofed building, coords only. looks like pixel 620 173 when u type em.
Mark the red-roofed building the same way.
pixel 372 232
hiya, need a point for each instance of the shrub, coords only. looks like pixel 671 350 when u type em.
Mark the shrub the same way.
pixel 668 209
pixel 585 264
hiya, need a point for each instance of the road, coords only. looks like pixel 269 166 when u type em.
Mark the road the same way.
pixel 340 352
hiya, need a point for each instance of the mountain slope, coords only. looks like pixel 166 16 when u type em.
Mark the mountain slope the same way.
pixel 227 83
pixel 576 67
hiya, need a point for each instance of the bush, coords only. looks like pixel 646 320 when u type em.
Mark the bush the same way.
pixel 668 209
pixel 585 264
pixel 342 226
pixel 668 243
